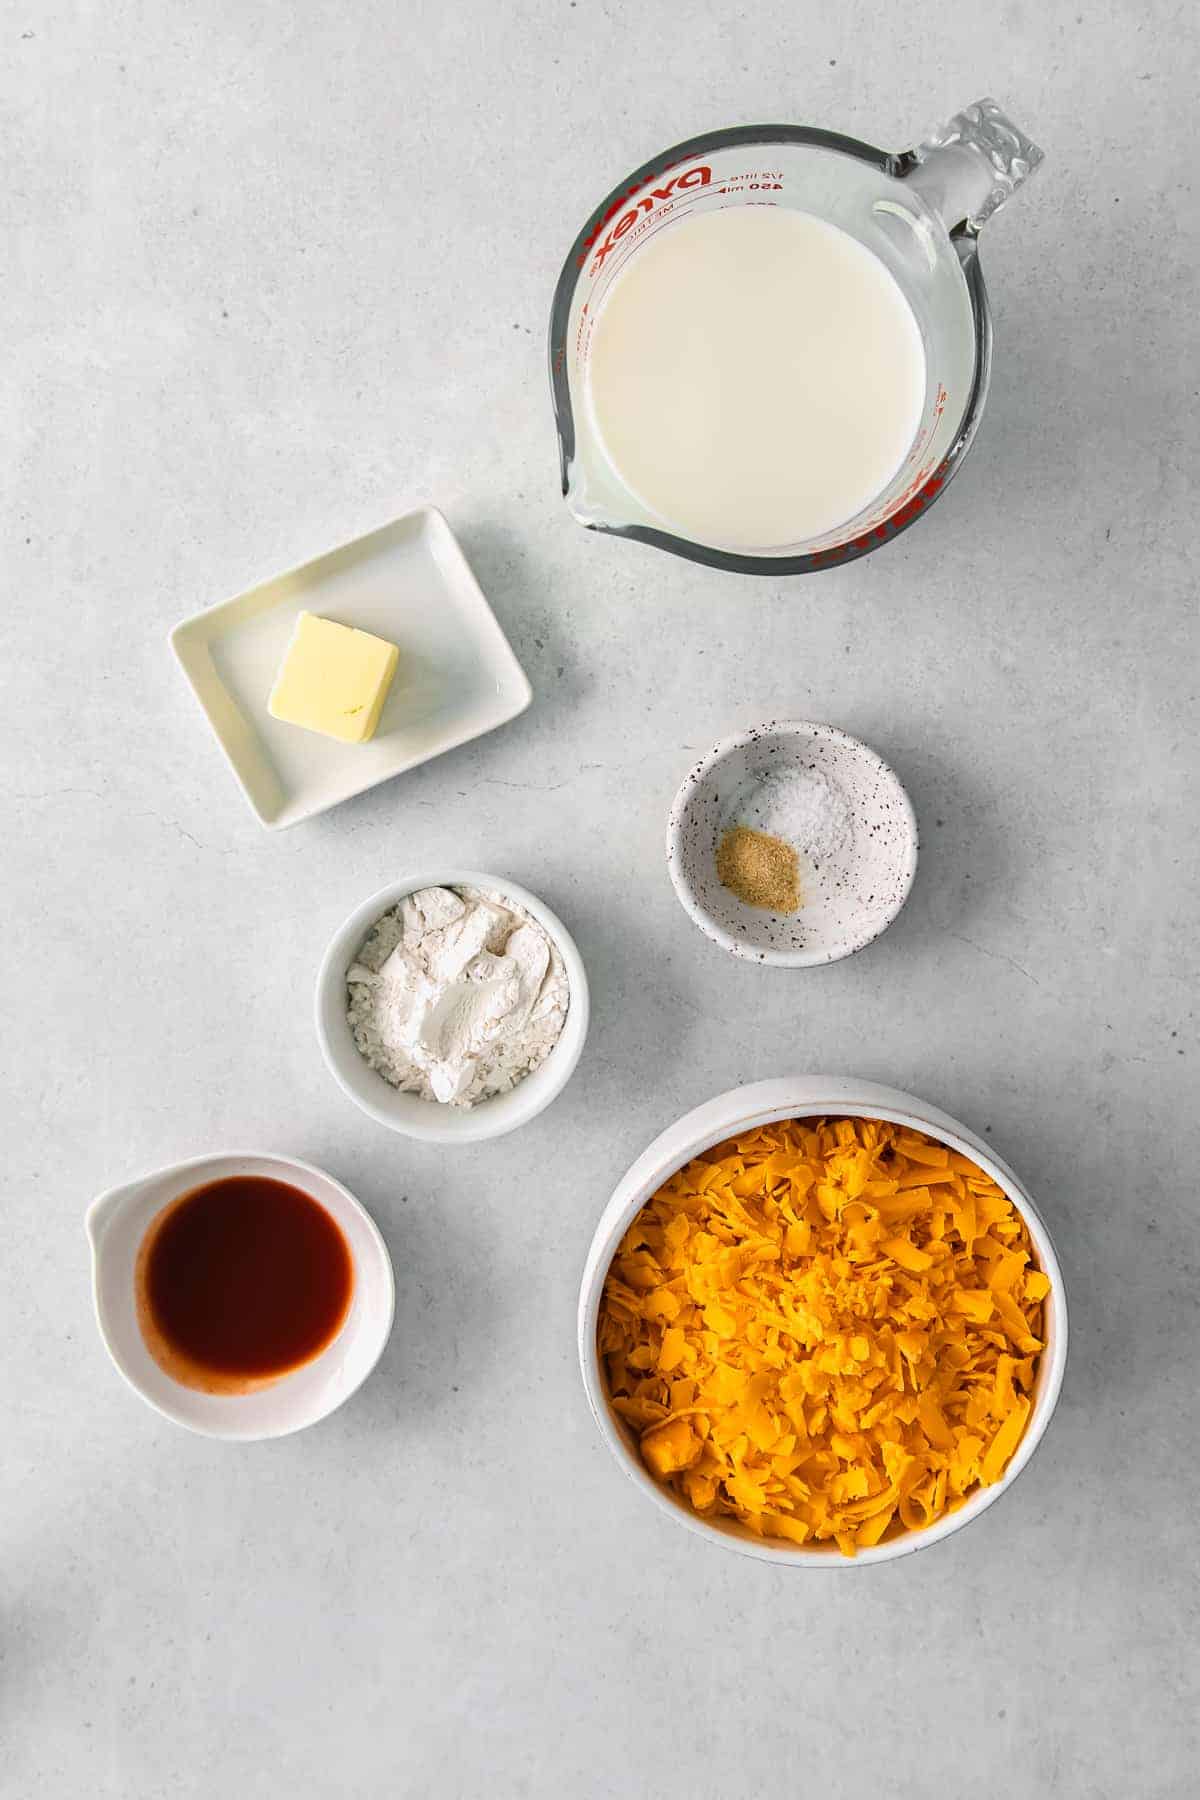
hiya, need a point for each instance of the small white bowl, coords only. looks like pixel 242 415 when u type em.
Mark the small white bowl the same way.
pixel 849 896
pixel 118 1220
pixel 744 1109
pixel 428 1119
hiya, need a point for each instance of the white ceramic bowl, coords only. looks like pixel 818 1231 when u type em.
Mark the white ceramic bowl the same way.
pixel 851 891
pixel 427 1119
pixel 118 1220
pixel 806 1096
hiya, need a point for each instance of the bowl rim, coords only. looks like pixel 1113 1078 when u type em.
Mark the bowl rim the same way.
pixel 447 1124
pixel 739 947
pixel 761 1103
pixel 183 1175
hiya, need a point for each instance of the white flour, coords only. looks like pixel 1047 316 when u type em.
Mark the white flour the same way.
pixel 456 995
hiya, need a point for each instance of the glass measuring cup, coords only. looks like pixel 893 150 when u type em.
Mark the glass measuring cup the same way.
pixel 919 211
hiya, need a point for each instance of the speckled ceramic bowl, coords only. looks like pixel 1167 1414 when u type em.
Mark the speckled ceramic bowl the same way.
pixel 856 841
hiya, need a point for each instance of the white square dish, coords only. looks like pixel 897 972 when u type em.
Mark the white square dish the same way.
pixel 408 582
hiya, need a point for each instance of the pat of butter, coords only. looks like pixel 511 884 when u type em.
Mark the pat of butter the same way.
pixel 333 679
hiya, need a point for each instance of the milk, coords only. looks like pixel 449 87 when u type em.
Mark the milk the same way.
pixel 755 376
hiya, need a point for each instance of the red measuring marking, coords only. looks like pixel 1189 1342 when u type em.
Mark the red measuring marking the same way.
pixel 699 175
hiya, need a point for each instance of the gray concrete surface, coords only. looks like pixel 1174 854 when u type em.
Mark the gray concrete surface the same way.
pixel 274 273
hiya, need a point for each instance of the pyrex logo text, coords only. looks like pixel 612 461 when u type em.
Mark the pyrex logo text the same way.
pixel 700 176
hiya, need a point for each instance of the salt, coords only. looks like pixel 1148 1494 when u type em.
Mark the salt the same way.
pixel 801 806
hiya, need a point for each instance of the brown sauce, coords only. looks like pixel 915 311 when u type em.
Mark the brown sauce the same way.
pixel 240 1282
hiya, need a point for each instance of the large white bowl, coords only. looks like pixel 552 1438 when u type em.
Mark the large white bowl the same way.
pixel 742 1109
pixel 427 1119
pixel 117 1222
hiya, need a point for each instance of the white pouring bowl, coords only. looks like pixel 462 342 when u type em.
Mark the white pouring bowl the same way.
pixel 117 1222
pixel 850 894
pixel 742 1109
pixel 409 1113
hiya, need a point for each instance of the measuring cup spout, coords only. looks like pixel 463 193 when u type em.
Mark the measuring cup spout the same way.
pixel 966 169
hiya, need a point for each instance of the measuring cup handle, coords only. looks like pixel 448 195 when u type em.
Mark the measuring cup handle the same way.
pixel 967 168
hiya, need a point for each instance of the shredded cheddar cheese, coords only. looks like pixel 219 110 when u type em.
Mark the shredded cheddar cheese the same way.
pixel 826 1329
